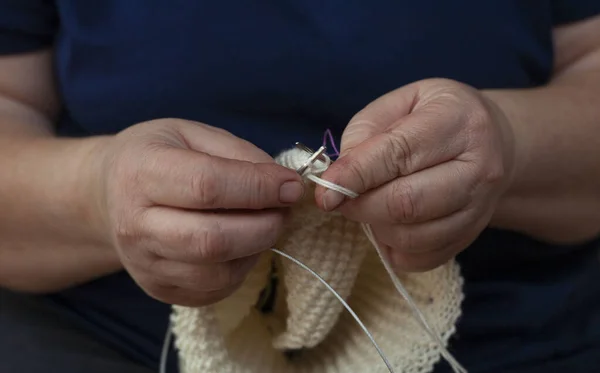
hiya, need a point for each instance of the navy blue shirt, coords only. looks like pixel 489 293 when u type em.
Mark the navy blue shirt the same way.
pixel 276 72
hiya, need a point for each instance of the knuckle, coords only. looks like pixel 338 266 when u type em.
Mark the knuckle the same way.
pixel 126 230
pixel 267 233
pixel 274 230
pixel 478 114
pixel 125 179
pixel 407 242
pixel 469 186
pixel 211 243
pixel 401 205
pixel 494 173
pixel 230 275
pixel 205 189
pixel 399 162
pixel 123 232
pixel 272 224
pixel 403 242
pixel 257 183
pixel 353 166
pixel 482 173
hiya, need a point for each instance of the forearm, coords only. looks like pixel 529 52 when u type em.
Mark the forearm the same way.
pixel 49 238
pixel 555 193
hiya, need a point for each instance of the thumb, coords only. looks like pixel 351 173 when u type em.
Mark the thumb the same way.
pixel 362 163
pixel 378 116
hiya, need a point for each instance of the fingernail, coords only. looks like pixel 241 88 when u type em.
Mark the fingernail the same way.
pixel 291 191
pixel 332 199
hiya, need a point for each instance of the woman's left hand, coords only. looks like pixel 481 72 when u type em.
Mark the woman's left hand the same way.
pixel 429 161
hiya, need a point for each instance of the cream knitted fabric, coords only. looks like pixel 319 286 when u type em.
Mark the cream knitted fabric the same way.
pixel 232 336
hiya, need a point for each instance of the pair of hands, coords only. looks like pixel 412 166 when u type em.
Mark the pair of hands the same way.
pixel 190 207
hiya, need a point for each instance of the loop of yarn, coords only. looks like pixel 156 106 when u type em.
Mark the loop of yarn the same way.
pixel 200 333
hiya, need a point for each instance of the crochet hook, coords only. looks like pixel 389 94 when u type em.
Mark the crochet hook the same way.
pixel 314 156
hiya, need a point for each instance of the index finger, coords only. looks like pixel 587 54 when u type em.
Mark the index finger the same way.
pixel 422 139
pixel 194 180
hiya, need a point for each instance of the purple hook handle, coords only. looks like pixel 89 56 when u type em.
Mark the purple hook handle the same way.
pixel 329 136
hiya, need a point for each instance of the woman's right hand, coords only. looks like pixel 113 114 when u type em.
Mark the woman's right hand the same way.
pixel 189 207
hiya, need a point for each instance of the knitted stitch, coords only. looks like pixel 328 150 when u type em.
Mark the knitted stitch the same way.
pixel 233 336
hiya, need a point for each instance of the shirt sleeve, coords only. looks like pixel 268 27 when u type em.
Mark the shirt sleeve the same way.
pixel 567 11
pixel 27 25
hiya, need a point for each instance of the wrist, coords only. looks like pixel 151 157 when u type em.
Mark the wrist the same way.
pixel 88 187
pixel 48 189
pixel 62 180
pixel 518 141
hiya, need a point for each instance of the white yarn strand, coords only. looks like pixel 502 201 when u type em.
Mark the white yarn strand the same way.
pixel 344 303
pixel 165 349
pixel 330 185
pixel 411 303
pixel 456 367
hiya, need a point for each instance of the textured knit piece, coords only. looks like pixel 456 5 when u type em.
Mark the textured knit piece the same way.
pixel 233 336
